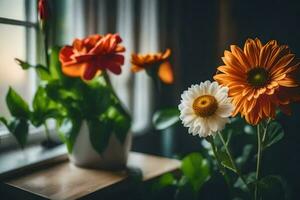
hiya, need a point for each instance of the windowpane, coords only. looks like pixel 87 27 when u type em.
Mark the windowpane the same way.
pixel 13 9
pixel 12 46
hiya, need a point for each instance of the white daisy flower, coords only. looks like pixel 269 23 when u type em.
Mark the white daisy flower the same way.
pixel 205 108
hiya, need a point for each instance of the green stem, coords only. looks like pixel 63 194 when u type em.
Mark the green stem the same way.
pixel 265 130
pixel 237 170
pixel 108 81
pixel 259 157
pixel 213 146
pixel 221 168
pixel 45 31
pixel 47 131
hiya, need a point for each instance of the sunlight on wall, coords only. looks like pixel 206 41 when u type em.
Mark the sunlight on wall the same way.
pixel 12 42
pixel 14 9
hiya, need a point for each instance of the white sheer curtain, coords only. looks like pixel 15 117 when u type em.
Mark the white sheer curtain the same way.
pixel 125 27
pixel 142 98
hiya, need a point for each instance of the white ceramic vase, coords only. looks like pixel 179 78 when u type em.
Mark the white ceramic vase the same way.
pixel 114 156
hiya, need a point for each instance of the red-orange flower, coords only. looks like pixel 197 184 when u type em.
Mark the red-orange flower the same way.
pixel 88 57
pixel 261 78
pixel 158 61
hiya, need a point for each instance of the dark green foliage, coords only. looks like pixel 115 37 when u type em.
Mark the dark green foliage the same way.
pixel 195 172
pixel 68 129
pixel 17 105
pixel 165 118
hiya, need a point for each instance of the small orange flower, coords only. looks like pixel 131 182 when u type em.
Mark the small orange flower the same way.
pixel 260 78
pixel 88 57
pixel 158 62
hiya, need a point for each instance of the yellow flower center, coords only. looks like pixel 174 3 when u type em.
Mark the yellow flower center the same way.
pixel 257 77
pixel 205 105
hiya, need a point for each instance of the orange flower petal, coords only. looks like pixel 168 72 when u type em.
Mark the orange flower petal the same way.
pixel 165 73
pixel 86 57
pixel 239 54
pixel 288 82
pixel 136 68
pixel 166 54
pixel 75 70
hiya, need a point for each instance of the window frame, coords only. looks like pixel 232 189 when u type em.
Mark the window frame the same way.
pixel 32 46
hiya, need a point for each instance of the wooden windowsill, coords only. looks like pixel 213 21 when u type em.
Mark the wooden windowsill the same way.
pixel 66 181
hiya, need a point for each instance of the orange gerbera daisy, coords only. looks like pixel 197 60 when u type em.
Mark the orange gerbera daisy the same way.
pixel 260 78
pixel 157 62
pixel 95 53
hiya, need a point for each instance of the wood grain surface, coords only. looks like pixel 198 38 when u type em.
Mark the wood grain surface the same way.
pixel 66 181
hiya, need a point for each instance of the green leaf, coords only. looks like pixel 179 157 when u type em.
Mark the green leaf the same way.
pixel 68 130
pixel 98 99
pixel 19 128
pixel 273 187
pixel 274 134
pixel 120 120
pixel 41 70
pixel 167 179
pixel 225 161
pixel 165 118
pixel 70 97
pixel 40 101
pixel 196 169
pixel 4 121
pixel 122 126
pixel 135 175
pixel 16 105
pixel 164 181
pixel 44 108
pixel 100 132
pixel 55 66
pixel 250 179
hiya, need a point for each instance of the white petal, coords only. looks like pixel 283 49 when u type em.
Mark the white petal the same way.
pixel 205 86
pixel 213 88
pixel 192 93
pixel 225 110
pixel 221 96
pixel 191 130
pixel 181 106
pixel 204 128
pixel 187 119
pixel 187 111
pixel 207 83
pixel 196 130
pixel 216 123
pixel 213 124
pixel 185 96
